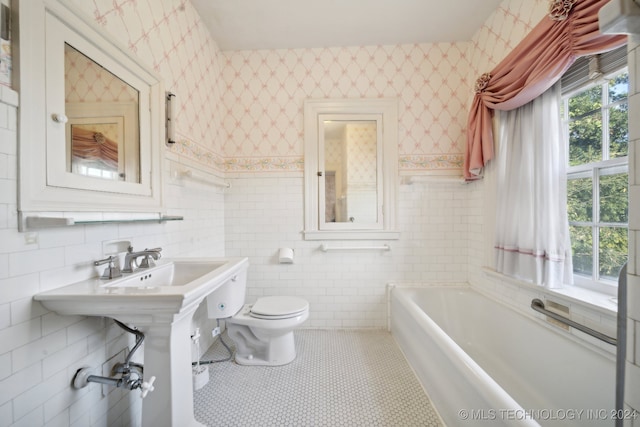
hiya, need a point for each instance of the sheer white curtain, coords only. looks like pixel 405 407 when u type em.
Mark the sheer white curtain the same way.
pixel 532 229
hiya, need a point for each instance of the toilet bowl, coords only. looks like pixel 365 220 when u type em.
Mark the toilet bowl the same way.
pixel 263 331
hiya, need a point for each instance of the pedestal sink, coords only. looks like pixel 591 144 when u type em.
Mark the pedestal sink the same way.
pixel 160 302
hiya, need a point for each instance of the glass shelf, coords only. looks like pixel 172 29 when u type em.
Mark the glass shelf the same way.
pixel 40 222
pixel 120 221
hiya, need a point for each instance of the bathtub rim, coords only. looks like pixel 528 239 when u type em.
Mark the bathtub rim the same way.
pixel 404 286
pixel 586 298
pixel 590 343
pixel 475 375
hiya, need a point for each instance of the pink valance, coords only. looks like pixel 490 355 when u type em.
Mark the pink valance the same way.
pixel 530 69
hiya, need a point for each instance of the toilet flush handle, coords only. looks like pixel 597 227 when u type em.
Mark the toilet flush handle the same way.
pixel 234 278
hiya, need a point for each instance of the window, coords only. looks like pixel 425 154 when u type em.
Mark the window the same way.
pixel 595 119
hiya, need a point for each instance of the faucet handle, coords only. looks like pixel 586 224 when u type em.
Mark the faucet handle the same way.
pixel 150 256
pixel 104 261
pixel 111 272
pixel 147 262
pixel 147 386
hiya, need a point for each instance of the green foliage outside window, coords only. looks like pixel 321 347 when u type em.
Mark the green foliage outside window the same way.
pixel 598 132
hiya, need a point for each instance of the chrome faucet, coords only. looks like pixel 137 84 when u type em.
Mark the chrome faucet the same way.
pixel 131 259
pixel 112 271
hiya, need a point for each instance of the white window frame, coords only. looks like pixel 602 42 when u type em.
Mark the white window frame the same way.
pixel 593 171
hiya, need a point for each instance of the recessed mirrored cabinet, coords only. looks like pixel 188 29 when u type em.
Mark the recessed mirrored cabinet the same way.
pixel 91 122
pixel 351 157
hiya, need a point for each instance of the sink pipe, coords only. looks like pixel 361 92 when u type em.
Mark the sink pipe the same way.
pixel 130 374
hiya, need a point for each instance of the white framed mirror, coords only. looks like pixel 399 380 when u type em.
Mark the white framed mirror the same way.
pixel 351 169
pixel 102 132
pixel 91 121
pixel 350 186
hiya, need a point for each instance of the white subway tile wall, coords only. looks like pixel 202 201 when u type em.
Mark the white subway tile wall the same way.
pixel 39 350
pixel 632 389
pixel 344 290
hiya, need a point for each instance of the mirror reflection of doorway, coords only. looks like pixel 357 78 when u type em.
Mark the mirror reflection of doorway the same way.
pixel 330 196
pixel 351 169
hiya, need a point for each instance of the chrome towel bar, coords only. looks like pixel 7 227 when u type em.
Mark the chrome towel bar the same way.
pixel 179 172
pixel 324 248
pixel 538 306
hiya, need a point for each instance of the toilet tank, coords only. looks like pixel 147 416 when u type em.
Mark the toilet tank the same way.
pixel 228 299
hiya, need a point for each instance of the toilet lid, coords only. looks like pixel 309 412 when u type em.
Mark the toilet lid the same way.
pixel 278 307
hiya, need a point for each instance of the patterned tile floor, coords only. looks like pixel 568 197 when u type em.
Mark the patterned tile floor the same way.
pixel 339 378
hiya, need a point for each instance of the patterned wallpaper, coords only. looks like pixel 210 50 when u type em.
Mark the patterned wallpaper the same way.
pixel 169 36
pixel 361 154
pixel 502 31
pixel 265 91
pixel 93 83
pixel 242 111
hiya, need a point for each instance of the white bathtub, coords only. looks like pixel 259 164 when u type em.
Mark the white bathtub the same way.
pixel 484 364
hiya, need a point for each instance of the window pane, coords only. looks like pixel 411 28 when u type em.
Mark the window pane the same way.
pixel 619 130
pixel 614 198
pixel 585 102
pixel 613 251
pixel 585 126
pixel 582 249
pixel 585 140
pixel 580 199
pixel 619 87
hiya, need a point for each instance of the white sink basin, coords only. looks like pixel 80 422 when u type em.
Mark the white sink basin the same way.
pixel 169 288
pixel 173 273
pixel 160 302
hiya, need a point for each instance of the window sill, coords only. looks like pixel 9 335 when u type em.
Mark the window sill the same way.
pixel 597 301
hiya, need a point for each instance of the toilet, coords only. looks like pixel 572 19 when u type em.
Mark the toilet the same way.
pixel 262 331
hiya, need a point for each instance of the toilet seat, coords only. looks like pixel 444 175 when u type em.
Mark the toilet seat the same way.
pixel 283 307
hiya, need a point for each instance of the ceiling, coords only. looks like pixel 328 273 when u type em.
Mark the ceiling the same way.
pixel 290 24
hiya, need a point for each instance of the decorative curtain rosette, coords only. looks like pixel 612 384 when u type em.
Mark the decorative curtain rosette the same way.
pixel 482 83
pixel 559 9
